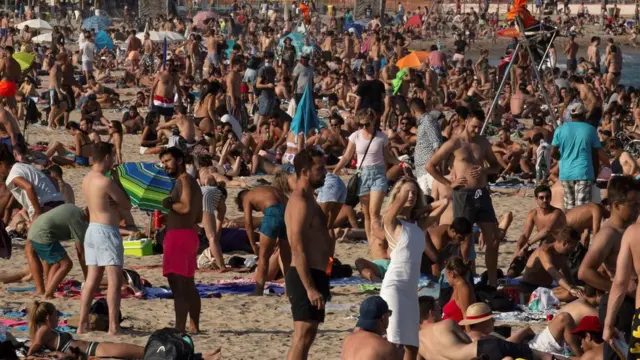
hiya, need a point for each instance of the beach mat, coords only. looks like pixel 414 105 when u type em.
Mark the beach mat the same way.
pixel 216 290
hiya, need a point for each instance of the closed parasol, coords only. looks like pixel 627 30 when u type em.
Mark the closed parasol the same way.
pixel 413 60
pixel 147 184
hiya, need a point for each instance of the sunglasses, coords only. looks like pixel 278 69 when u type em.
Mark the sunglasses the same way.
pixel 364 125
pixel 544 197
pixel 335 125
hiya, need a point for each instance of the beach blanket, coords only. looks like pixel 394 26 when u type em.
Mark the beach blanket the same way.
pixel 368 285
pixel 17 321
pixel 215 290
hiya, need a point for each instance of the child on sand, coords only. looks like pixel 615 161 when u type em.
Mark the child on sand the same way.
pixel 43 321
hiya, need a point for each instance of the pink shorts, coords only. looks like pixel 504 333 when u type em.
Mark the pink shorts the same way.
pixel 180 252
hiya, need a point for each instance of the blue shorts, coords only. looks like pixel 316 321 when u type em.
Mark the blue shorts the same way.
pixel 333 190
pixel 51 253
pixel 272 225
pixel 372 178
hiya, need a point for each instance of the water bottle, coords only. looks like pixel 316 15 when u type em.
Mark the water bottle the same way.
pixel 438 44
pixel 3 333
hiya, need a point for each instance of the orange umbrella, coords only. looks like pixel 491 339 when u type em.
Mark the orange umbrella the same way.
pixel 508 32
pixel 413 60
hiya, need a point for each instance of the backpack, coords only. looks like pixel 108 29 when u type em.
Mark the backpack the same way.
pixel 496 299
pixel 169 344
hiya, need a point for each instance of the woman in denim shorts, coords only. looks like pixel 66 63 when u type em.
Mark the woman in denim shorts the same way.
pixel 373 178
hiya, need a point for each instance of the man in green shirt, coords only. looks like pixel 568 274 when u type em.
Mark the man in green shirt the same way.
pixel 65 222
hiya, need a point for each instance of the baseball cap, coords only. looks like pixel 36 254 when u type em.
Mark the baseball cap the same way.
pixel 588 324
pixel 372 309
pixel 578 109
pixel 369 70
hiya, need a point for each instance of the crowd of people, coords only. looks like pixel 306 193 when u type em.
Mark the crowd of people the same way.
pixel 242 96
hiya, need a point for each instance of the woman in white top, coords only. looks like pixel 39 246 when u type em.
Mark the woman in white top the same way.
pixel 406 242
pixel 372 167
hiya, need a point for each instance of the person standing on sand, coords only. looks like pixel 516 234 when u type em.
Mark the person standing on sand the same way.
pixel 306 281
pixel 181 242
pixel 103 246
pixel 471 197
pixel 571 50
pixel 162 97
pixel 11 76
pixel 272 203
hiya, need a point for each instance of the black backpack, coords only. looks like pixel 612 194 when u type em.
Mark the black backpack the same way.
pixel 169 344
pixel 496 299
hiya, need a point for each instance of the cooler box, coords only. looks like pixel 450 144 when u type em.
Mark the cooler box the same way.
pixel 142 247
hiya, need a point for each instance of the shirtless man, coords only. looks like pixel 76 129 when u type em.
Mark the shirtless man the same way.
pixel 446 241
pixel 328 47
pixel 181 242
pixel 522 103
pixel 508 153
pixel 68 82
pixel 560 330
pixel 10 133
pixel 185 126
pixel 234 81
pixel 103 246
pixel 375 52
pixel 147 53
pixel 548 221
pixel 11 76
pixel 267 42
pixel 539 127
pixel 306 281
pixel 213 58
pixel 470 193
pixel 348 52
pixel 366 341
pixel 133 50
pixel 588 97
pixel 571 50
pixel 549 262
pixel 271 202
pixel 161 99
pixel 599 264
pixel 593 53
pixel 586 219
pixel 387 75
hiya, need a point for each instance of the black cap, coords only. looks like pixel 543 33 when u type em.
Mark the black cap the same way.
pixel 372 309
pixel 369 70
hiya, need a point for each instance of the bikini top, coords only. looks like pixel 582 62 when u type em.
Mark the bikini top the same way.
pixel 452 311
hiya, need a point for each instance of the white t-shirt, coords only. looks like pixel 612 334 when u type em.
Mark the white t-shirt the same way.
pixel 235 125
pixel 88 51
pixel 375 154
pixel 45 190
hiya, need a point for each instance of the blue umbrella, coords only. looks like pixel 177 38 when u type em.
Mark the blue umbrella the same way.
pixel 96 22
pixel 306 118
pixel 357 28
pixel 103 41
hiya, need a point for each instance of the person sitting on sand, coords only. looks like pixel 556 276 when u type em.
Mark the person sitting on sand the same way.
pixel 508 153
pixel 105 96
pixel 116 133
pixel 273 231
pixel 79 153
pixel 589 333
pixel 367 341
pixel 43 321
pixel 86 125
pixel 132 120
pixel 480 323
pixel 186 129
pixel 446 241
pixel 55 173
pixel 561 328
pixel 523 103
pixel 91 110
pixel 586 219
pixel 547 219
pixel 549 262
pixel 65 222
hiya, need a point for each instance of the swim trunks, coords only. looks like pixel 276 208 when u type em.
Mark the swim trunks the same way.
pixel 545 342
pixel 103 245
pixel 383 266
pixel 7 141
pixel 634 341
pixel 498 349
pixel 474 205
pixel 163 106
pixel 272 225
pixel 301 307
pixel 51 252
pixel 180 256
pixel 8 88
pixel 572 64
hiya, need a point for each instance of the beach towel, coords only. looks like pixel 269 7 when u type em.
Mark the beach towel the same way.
pixel 397 82
pixel 306 118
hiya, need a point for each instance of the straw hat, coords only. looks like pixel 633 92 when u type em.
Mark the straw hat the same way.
pixel 477 313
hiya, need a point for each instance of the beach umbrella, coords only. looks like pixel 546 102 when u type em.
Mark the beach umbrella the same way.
pixel 414 21
pixel 146 184
pixel 35 24
pixel 508 32
pixel 363 22
pixel 160 36
pixel 96 22
pixel 202 18
pixel 357 28
pixel 24 59
pixel 103 41
pixel 413 60
pixel 44 38
pixel 306 117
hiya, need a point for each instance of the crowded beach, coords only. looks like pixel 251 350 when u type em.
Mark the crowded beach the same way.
pixel 271 180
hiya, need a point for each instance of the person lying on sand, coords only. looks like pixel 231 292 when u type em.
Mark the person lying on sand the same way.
pixel 43 321
pixel 479 323
pixel 548 263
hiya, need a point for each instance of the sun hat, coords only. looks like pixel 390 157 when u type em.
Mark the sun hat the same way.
pixel 372 309
pixel 477 313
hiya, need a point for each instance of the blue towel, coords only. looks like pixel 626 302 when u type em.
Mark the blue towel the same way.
pixel 356 280
pixel 213 291
pixel 21 289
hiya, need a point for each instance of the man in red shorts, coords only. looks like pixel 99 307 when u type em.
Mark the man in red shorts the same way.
pixel 11 73
pixel 181 241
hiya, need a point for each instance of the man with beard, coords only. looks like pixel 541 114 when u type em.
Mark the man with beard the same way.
pixel 306 281
pixel 471 198
pixel 181 240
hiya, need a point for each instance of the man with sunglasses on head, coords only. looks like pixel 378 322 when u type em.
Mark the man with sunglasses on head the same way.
pixel 547 219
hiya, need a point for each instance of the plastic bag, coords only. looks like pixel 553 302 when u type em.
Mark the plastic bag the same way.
pixel 542 299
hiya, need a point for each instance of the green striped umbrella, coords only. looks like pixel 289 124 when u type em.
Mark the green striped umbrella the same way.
pixel 147 184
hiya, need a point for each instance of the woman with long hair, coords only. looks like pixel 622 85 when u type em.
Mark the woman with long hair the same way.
pixel 406 242
pixel 457 273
